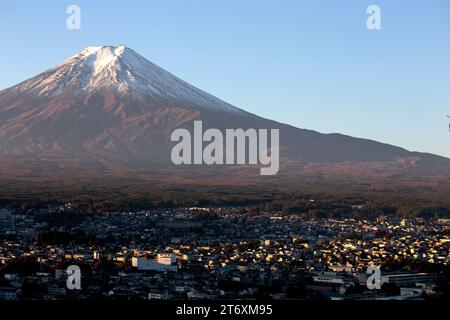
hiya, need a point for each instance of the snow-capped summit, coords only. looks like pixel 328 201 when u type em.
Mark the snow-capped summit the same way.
pixel 123 71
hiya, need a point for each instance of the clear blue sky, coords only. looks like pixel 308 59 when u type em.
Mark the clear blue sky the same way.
pixel 312 64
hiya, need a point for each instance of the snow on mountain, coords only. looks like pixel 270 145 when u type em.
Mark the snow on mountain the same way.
pixel 125 72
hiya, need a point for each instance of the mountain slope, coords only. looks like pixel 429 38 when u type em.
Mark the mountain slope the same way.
pixel 111 110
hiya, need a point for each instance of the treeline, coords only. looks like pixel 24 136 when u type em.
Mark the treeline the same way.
pixel 318 204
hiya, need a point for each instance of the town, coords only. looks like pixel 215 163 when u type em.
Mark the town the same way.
pixel 219 253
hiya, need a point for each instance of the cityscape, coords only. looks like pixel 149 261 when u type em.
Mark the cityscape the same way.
pixel 229 159
pixel 220 253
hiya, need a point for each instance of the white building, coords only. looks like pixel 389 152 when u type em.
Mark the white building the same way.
pixel 157 296
pixel 330 278
pixel 167 259
pixel 409 279
pixel 145 264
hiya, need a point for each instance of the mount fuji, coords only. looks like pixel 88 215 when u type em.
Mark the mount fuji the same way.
pixel 109 110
